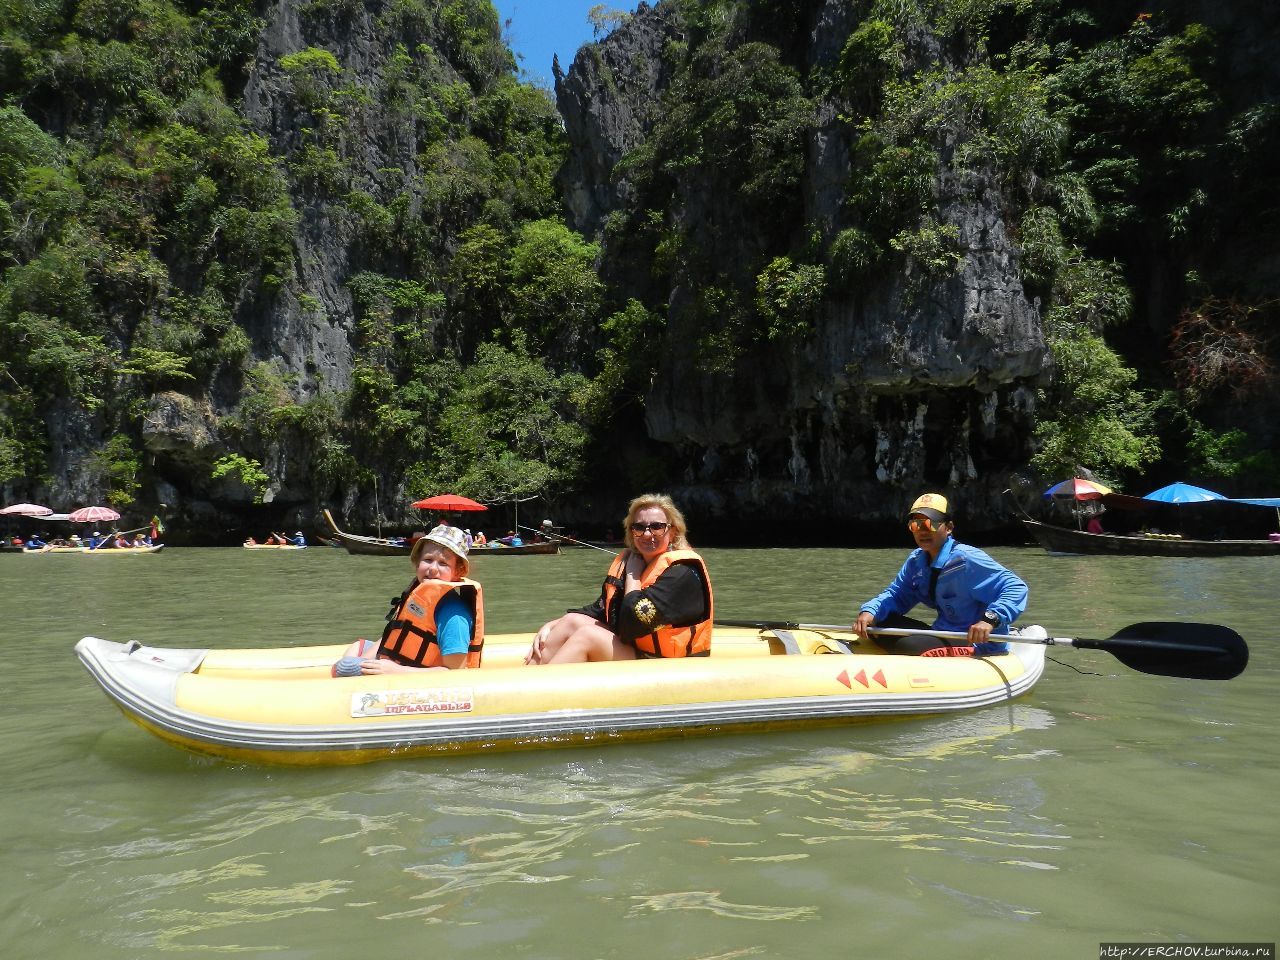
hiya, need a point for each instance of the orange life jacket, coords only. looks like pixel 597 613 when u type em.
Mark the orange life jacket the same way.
pixel 410 635
pixel 666 641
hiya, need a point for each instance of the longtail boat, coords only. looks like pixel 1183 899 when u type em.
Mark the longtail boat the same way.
pixel 1065 540
pixel 384 547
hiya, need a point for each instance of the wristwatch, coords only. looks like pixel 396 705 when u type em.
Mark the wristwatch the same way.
pixel 991 618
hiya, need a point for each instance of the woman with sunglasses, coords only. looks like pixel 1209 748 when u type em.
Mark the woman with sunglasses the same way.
pixel 971 592
pixel 656 600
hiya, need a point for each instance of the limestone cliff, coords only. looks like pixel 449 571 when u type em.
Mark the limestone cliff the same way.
pixel 839 244
pixel 906 380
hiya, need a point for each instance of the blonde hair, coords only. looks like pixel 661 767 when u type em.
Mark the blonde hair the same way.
pixel 679 529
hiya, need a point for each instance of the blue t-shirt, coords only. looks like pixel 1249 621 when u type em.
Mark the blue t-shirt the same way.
pixel 454 624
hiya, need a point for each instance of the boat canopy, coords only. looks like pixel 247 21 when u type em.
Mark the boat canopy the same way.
pixel 1124 501
pixel 1183 493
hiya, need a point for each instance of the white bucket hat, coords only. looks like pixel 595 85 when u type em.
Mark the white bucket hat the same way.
pixel 449 537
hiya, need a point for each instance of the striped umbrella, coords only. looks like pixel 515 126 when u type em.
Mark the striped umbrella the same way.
pixel 1077 489
pixel 26 510
pixel 93 515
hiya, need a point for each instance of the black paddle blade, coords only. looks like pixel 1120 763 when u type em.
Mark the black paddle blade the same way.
pixel 1198 651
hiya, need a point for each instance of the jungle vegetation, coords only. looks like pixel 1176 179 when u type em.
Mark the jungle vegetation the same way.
pixel 144 222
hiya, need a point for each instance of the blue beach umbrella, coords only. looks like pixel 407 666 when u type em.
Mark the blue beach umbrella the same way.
pixel 1183 493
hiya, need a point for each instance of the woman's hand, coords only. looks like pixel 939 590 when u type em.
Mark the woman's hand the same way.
pixel 632 571
pixel 539 646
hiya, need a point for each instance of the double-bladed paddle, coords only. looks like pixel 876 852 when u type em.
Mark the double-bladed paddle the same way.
pixel 1198 651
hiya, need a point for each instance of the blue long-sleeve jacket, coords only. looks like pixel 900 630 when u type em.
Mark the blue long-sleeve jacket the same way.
pixel 969 584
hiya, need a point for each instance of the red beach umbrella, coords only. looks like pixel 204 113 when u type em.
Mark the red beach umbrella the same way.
pixel 27 510
pixel 93 515
pixel 449 503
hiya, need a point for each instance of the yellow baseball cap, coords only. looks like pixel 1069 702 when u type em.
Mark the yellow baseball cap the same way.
pixel 932 505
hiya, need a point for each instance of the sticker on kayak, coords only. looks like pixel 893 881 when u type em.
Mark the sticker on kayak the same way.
pixel 386 703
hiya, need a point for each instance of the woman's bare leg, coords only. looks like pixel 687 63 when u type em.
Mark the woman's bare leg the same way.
pixel 592 644
pixel 553 635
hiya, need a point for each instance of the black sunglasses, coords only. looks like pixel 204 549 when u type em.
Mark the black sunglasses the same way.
pixel 656 527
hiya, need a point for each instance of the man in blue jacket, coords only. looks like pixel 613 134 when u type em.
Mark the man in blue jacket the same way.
pixel 972 593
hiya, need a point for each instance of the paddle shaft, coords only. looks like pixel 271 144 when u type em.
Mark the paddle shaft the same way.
pixel 1200 651
pixel 1083 644
pixel 548 533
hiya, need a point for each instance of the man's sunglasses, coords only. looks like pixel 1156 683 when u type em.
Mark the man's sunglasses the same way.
pixel 657 527
pixel 922 524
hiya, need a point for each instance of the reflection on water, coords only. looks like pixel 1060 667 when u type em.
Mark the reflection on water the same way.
pixel 1107 807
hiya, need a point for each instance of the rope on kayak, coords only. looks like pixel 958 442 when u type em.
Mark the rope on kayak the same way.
pixel 1085 673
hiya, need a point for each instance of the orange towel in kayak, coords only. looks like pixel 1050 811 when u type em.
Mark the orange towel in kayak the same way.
pixel 949 652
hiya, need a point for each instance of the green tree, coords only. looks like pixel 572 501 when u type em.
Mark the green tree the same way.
pixel 605 20
pixel 12 455
pixel 626 365
pixel 115 469
pixel 509 429
pixel 742 112
pixel 788 295
pixel 1098 419
pixel 555 288
pixel 245 471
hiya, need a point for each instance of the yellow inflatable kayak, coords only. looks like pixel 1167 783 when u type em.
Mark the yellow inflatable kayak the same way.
pixel 282 706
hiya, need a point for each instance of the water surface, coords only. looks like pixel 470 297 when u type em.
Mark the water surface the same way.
pixel 1107 805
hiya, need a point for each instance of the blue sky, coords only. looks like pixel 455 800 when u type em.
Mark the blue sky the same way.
pixel 540 28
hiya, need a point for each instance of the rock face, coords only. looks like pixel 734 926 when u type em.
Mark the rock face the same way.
pixel 908 381
pixel 306 329
pixel 628 72
pixel 312 339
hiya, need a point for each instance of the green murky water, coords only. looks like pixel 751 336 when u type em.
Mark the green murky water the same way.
pixel 1107 805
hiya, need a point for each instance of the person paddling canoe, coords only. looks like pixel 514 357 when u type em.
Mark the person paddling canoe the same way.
pixel 972 593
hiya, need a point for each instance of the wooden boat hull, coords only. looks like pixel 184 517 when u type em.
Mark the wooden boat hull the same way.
pixel 1065 540
pixel 364 546
pixel 524 550
pixel 273 546
pixel 281 705
pixel 380 547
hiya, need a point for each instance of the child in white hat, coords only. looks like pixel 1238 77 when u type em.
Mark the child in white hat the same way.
pixel 436 624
